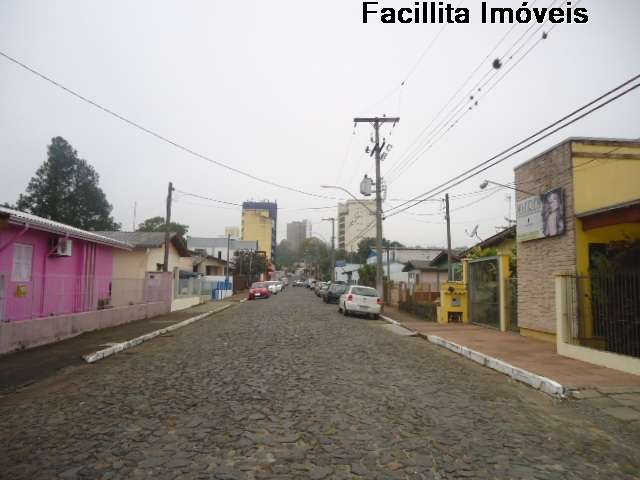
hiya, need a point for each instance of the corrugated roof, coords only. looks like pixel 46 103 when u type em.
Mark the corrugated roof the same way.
pixel 44 224
pixel 141 240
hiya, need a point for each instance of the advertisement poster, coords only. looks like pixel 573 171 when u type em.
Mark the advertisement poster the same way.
pixel 540 216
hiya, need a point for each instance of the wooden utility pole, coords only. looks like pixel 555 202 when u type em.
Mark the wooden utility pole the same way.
pixel 376 122
pixel 448 216
pixel 333 246
pixel 167 236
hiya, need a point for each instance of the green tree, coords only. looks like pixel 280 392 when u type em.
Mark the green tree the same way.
pixel 285 255
pixel 65 189
pixel 367 275
pixel 367 244
pixel 156 224
pixel 317 256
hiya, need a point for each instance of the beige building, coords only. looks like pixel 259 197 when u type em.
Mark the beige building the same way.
pixel 259 223
pixel 137 267
pixel 233 232
pixel 356 220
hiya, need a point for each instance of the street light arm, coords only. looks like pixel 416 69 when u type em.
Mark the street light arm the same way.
pixel 351 195
pixel 484 184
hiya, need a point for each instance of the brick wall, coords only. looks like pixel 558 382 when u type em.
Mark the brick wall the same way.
pixel 538 260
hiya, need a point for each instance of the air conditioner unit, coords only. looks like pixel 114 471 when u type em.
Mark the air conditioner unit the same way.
pixel 61 247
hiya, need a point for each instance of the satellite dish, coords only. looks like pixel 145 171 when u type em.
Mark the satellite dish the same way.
pixel 474 232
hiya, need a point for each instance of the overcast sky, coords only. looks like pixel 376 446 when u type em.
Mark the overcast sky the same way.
pixel 271 88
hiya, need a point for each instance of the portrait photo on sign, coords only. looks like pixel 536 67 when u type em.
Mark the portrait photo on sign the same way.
pixel 553 213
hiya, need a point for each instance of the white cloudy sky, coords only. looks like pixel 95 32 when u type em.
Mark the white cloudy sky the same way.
pixel 271 88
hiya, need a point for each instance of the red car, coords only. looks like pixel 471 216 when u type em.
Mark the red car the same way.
pixel 259 290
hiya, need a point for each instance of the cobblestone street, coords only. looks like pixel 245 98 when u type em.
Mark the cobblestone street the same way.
pixel 288 388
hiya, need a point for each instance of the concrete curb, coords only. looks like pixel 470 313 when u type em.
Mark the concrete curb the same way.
pixel 107 352
pixel 538 382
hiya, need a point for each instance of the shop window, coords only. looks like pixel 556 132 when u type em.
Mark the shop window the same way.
pixel 22 263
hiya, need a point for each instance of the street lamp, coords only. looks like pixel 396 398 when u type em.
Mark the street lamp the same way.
pixel 486 183
pixel 351 195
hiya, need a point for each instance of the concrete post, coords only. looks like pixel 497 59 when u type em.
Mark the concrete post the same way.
pixel 503 277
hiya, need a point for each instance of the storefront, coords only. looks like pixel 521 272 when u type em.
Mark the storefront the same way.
pixel 577 231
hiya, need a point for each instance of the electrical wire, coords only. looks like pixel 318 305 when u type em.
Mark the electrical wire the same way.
pixel 409 157
pixel 523 145
pixel 159 136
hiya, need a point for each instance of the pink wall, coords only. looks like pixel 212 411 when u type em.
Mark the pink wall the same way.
pixel 58 285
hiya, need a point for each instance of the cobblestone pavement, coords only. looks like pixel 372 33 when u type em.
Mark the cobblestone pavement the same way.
pixel 287 388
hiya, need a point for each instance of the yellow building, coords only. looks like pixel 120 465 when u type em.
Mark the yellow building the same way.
pixel 259 223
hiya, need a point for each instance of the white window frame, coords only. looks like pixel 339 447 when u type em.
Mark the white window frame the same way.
pixel 22 269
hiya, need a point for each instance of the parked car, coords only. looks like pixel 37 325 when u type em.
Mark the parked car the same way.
pixel 319 286
pixel 333 293
pixel 274 286
pixel 359 300
pixel 324 286
pixel 259 290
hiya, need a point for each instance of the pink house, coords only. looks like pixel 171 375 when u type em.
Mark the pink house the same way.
pixel 51 269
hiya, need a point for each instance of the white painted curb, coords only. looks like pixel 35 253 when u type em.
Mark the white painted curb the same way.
pixel 544 384
pixel 119 347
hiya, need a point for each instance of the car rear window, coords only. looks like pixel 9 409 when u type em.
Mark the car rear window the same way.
pixel 338 288
pixel 259 285
pixel 364 291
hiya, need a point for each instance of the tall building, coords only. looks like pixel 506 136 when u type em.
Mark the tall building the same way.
pixel 297 233
pixel 356 220
pixel 260 222
pixel 234 232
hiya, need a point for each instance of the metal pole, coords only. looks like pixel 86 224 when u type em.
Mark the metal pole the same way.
pixel 227 266
pixel 449 273
pixel 379 276
pixel 167 237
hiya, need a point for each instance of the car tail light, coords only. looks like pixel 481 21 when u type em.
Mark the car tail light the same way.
pixel 349 298
pixel 380 301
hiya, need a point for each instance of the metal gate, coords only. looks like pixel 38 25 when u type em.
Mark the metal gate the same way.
pixel 484 292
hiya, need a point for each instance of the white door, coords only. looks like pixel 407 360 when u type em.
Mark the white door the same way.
pixel 1 298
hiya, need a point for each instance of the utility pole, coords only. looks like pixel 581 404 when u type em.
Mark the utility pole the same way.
pixel 376 122
pixel 333 246
pixel 448 216
pixel 388 267
pixel 227 269
pixel 167 237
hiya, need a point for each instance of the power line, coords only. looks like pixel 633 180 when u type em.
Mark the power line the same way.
pixel 159 136
pixel 462 107
pixel 522 144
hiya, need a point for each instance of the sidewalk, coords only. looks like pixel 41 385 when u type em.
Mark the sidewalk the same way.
pixel 580 379
pixel 29 366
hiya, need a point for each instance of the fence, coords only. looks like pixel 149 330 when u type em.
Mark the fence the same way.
pixel 512 303
pixel 397 293
pixel 194 287
pixel 52 295
pixel 425 310
pixel 603 312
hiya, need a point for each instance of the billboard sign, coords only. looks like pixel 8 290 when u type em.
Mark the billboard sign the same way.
pixel 541 216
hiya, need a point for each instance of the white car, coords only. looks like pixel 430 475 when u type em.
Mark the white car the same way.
pixel 361 301
pixel 274 287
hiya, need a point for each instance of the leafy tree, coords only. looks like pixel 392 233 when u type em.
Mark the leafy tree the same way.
pixel 286 256
pixel 316 255
pixel 367 244
pixel 65 189
pixel 156 224
pixel 367 275
pixel 250 264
